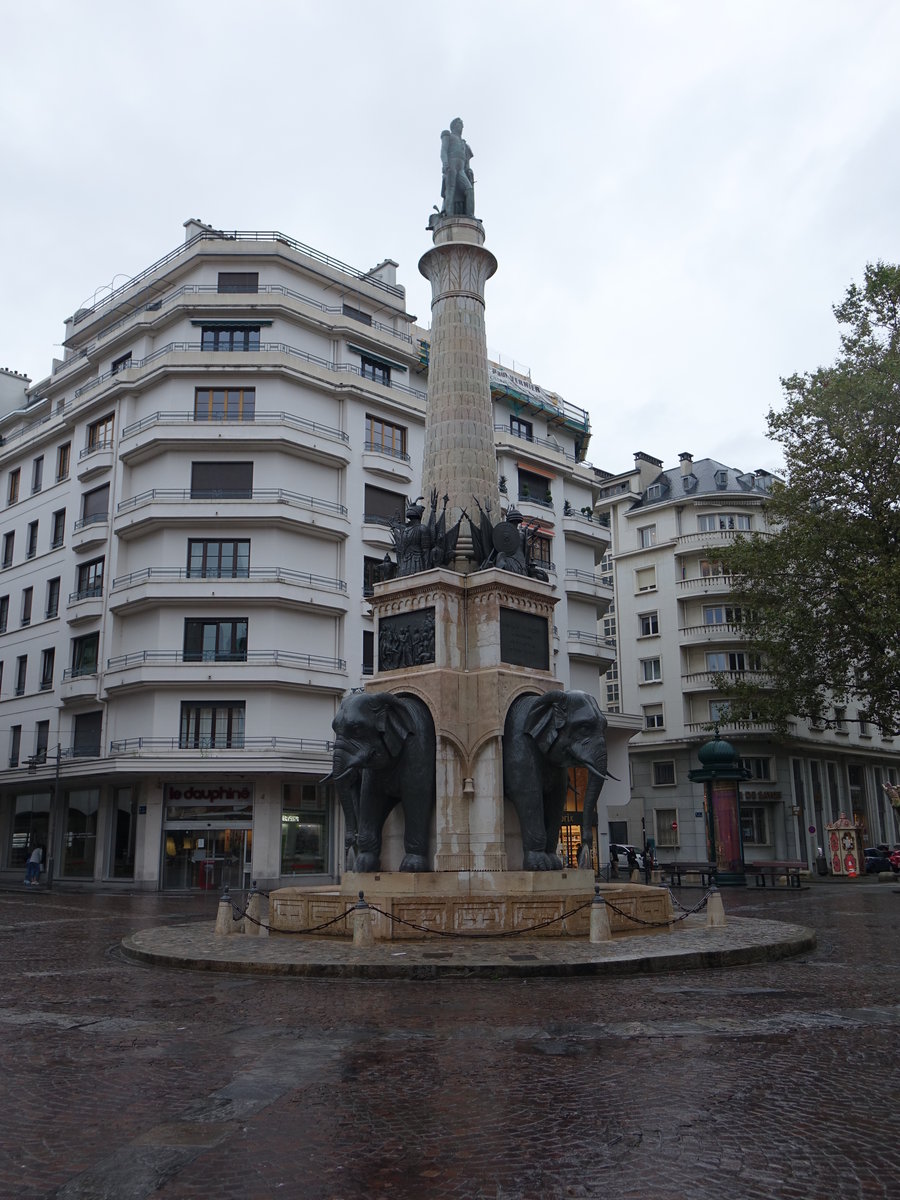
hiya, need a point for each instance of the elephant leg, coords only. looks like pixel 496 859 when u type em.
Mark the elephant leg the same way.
pixel 373 809
pixel 418 806
pixel 554 806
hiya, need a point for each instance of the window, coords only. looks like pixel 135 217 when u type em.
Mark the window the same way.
pixel 41 741
pixel 9 545
pixel 710 567
pixel 238 281
pixel 63 457
pixel 4 613
pixel 653 716
pixel 541 548
pixel 647 536
pixel 382 506
pixel 37 474
pixel 651 670
pixel 739 661
pixel 717 662
pixel 31 539
pixel 753 826
pixel 385 437
pixel 664 773
pixel 48 662
pixel 649 624
pixel 95 505
pixel 218 560
pixel 204 726
pixel 356 314
pixel 718 710
pixel 368 652
pixel 125 809
pixel 224 404
pixel 12 488
pixel 654 491
pixel 371 574
pixel 534 488
pixel 759 768
pixel 210 640
pixel 80 841
pixel 119 364
pixel 666 827
pixel 86 730
pixel 100 433
pixel 222 481
pixel 57 529
pixel 864 727
pixel 15 744
pixel 52 597
pixel 645 579
pixel 721 614
pixel 21 674
pixel 304 829
pixel 721 479
pixel 229 337
pixel 712 522
pixel 840 720
pixel 378 372
pixel 84 654
pixel 89 579
pixel 520 428
pixel 612 688
pixel 27 599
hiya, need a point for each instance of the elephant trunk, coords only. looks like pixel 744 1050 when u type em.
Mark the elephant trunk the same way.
pixel 596 780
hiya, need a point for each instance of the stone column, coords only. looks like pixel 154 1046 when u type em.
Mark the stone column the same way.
pixel 460 460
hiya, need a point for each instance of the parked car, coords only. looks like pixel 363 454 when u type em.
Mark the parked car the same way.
pixel 622 852
pixel 878 859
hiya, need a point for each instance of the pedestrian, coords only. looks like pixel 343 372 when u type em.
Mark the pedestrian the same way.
pixel 33 867
pixel 613 863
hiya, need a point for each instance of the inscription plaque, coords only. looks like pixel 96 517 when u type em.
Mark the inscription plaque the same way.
pixel 524 640
pixel 406 640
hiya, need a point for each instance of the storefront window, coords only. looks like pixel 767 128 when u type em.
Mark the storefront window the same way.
pixel 30 824
pixel 304 829
pixel 124 825
pixel 81 833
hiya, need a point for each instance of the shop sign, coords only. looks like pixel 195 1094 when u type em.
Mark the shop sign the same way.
pixel 207 793
pixel 760 795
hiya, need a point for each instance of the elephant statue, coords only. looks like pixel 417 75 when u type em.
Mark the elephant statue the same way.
pixel 384 755
pixel 543 736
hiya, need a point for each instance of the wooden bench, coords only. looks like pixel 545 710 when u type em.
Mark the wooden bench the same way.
pixel 675 870
pixel 772 870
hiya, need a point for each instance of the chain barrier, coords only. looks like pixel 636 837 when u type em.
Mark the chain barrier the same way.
pixel 685 913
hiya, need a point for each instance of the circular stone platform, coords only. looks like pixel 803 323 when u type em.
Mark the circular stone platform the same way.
pixel 690 945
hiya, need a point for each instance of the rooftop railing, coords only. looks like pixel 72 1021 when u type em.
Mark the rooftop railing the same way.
pixel 545 443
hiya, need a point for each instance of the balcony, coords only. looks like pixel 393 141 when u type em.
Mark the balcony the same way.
pixel 547 450
pixel 736 729
pixel 269 585
pixel 79 683
pixel 705 681
pixel 714 539
pixel 536 511
pixel 89 532
pixel 580 528
pixel 390 464
pixel 705 585
pixel 161 508
pixel 315 752
pixel 376 531
pixel 586 585
pixel 85 605
pixel 93 460
pixel 259 668
pixel 163 431
pixel 591 647
pixel 695 635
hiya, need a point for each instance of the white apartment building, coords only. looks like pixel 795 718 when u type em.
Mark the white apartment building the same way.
pixel 193 504
pixel 675 626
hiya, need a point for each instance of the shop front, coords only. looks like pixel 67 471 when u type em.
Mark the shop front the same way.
pixel 207 837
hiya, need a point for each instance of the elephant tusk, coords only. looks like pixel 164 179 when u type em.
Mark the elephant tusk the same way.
pixel 601 775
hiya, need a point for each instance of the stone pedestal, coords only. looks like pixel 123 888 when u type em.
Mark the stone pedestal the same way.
pixel 492 642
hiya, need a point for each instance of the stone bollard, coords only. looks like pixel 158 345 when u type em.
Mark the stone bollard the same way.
pixel 257 911
pixel 600 931
pixel 225 922
pixel 715 911
pixel 363 933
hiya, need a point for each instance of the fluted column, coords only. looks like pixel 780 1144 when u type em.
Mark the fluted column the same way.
pixel 460 460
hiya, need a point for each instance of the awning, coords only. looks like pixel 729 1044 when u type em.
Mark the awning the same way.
pixel 376 358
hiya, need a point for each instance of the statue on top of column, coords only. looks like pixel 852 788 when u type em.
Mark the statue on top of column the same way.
pixel 458 184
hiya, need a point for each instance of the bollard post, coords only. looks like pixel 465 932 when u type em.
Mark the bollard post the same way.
pixel 715 911
pixel 224 914
pixel 257 911
pixel 600 931
pixel 363 934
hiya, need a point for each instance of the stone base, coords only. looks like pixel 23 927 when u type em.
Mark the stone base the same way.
pixel 469 902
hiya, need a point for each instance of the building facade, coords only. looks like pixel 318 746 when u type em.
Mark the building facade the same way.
pixel 677 631
pixel 195 505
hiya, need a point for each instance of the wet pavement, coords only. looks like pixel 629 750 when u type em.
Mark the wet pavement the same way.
pixel 768 1080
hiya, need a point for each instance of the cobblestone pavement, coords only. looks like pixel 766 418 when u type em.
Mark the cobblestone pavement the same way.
pixel 774 1080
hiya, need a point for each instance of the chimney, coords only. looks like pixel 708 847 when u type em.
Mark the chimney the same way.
pixel 687 462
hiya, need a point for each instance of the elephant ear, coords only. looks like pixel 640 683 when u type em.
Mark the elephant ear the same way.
pixel 394 724
pixel 548 715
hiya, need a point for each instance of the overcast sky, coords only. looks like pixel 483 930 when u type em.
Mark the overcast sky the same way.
pixel 676 192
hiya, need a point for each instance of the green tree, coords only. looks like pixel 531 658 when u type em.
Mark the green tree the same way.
pixel 820 596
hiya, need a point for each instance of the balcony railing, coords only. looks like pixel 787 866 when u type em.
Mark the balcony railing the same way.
pixel 544 443
pixel 378 448
pixel 292 658
pixel 591 639
pixel 158 745
pixel 719 583
pixel 264 347
pixel 759 728
pixel 723 629
pixel 256 575
pixel 259 418
pixel 272 495
pixel 708 679
pixel 79 672
pixel 588 577
pixel 86 593
pixel 94 519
